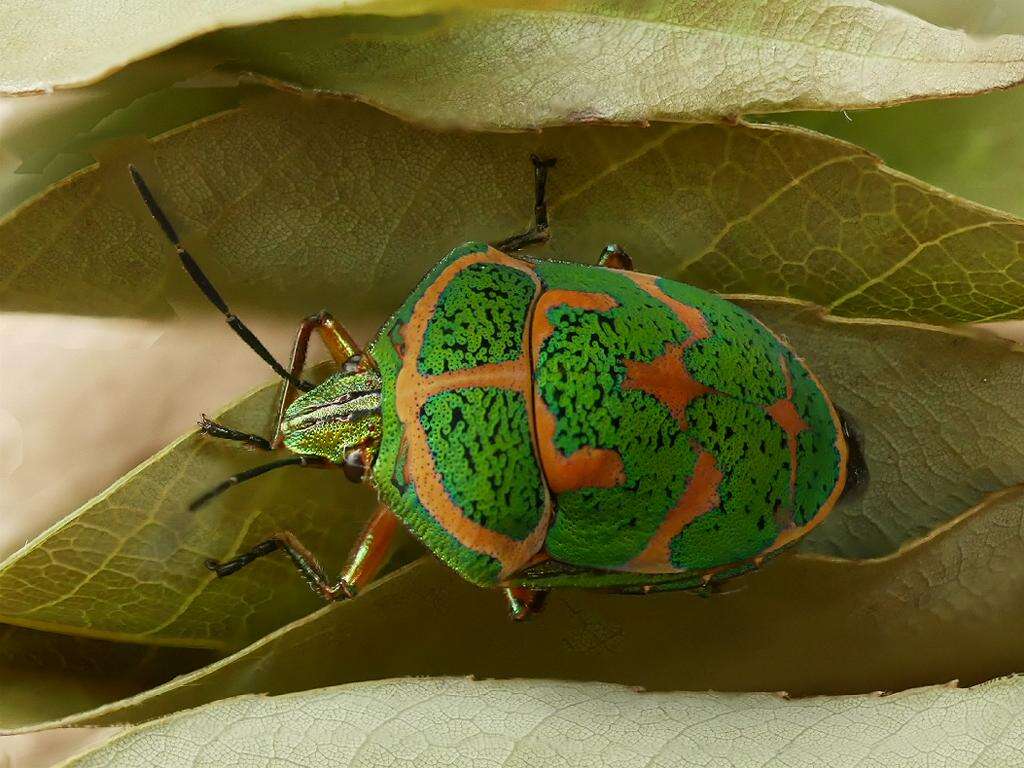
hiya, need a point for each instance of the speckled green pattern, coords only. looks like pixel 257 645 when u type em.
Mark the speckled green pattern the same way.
pixel 404 312
pixel 739 358
pixel 480 318
pixel 579 377
pixel 818 457
pixel 479 437
pixel 396 489
pixel 480 440
pixel 744 439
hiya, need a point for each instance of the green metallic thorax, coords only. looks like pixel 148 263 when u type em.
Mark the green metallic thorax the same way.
pixel 594 427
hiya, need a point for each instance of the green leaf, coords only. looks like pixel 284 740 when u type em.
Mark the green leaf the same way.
pixel 303 204
pixel 128 565
pixel 47 676
pixel 526 63
pixel 459 722
pixel 970 147
pixel 941 429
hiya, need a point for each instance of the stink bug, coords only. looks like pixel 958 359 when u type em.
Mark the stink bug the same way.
pixel 540 424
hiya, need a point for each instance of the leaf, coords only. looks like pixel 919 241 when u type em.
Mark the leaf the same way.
pixel 458 722
pixel 969 147
pixel 887 623
pixel 45 51
pixel 48 676
pixel 319 203
pixel 480 65
pixel 941 413
pixel 941 417
pixel 515 65
pixel 50 136
pixel 128 565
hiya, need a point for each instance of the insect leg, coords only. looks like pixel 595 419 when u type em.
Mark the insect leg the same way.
pixel 342 349
pixel 214 429
pixel 303 560
pixel 523 602
pixel 538 233
pixel 340 344
pixel 372 549
pixel 614 257
pixel 370 553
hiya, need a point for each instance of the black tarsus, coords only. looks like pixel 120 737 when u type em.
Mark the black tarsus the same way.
pixel 249 474
pixel 237 563
pixel 204 284
pixel 214 429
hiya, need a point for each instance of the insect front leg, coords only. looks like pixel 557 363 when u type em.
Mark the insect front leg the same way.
pixel 343 350
pixel 340 345
pixel 369 554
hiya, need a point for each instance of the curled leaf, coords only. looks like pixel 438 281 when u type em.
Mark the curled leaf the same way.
pixel 128 565
pixel 315 203
pixel 526 63
pixel 460 722
pixel 806 624
pixel 47 676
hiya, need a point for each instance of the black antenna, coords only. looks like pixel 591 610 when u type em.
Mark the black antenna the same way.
pixel 201 280
pixel 249 474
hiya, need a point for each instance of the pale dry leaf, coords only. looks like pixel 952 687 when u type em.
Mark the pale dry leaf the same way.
pixel 526 63
pixel 459 722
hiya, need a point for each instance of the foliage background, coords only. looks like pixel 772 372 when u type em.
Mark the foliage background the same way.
pixel 138 383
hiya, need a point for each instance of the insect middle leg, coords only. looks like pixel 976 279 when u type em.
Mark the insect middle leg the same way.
pixel 524 602
pixel 614 257
pixel 538 233
pixel 369 554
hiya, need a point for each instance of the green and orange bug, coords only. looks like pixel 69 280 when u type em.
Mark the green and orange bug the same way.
pixel 540 424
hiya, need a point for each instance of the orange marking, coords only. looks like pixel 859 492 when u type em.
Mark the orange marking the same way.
pixel 791 534
pixel 412 390
pixel 506 375
pixel 542 328
pixel 689 316
pixel 667 379
pixel 784 413
pixel 587 467
pixel 700 496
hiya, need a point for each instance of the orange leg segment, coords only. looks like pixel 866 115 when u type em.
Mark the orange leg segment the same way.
pixel 370 553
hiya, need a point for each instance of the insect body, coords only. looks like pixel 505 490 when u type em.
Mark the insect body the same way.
pixel 541 424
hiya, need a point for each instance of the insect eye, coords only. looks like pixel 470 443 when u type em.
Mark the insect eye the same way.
pixel 354 466
pixel 352 364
